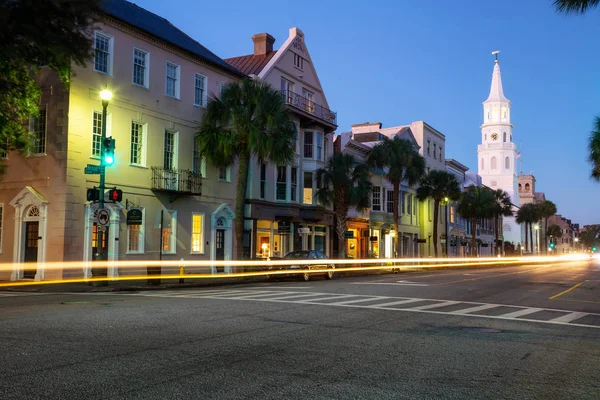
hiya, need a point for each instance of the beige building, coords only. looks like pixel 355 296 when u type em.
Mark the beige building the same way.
pixel 283 213
pixel 528 195
pixel 565 243
pixel 161 80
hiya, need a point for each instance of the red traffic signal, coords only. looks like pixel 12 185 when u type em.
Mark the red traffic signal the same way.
pixel 115 195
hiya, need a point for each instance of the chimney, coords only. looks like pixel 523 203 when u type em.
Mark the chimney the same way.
pixel 263 43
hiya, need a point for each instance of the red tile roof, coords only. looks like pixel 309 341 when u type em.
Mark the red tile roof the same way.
pixel 250 64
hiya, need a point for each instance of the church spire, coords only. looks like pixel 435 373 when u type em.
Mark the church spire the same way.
pixel 496 91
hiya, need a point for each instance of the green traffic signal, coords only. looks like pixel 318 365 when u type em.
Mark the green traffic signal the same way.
pixel 594 248
pixel 109 151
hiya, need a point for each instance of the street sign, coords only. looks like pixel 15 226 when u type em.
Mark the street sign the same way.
pixel 134 216
pixel 303 231
pixel 103 217
pixel 283 226
pixel 92 169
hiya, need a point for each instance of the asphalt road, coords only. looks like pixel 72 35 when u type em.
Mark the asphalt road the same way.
pixel 527 332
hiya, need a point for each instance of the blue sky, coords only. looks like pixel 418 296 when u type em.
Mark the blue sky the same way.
pixel 402 61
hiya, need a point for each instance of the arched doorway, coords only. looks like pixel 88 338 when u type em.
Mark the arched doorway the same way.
pixel 221 233
pixel 29 252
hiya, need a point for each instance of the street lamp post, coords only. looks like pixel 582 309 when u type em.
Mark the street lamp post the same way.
pixel 536 228
pixel 105 96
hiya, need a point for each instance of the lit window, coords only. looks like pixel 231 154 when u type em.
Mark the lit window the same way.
pixel 197 231
pixel 140 67
pixel 135 236
pixel 376 202
pixel 172 82
pixel 200 90
pixel 308 188
pixel 102 53
pixel 37 129
pixel 452 214
pixel 169 232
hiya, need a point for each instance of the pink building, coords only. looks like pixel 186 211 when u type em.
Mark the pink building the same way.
pixel 161 80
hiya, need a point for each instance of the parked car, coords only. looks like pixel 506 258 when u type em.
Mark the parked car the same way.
pixel 303 255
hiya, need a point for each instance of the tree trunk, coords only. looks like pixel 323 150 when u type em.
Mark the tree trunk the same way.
pixel 240 202
pixel 496 235
pixel 396 217
pixel 526 239
pixel 436 212
pixel 531 238
pixel 474 249
pixel 341 226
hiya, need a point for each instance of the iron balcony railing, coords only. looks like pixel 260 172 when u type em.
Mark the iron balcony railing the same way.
pixel 176 180
pixel 309 106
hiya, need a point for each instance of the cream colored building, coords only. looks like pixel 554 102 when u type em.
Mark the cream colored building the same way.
pixel 283 213
pixel 161 80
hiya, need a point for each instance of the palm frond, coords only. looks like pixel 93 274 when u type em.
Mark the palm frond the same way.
pixel 594 150
pixel 575 6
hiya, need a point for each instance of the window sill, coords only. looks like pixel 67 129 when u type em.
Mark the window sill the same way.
pixel 140 86
pixel 200 106
pixel 170 253
pixel 103 73
pixel 138 166
pixel 224 180
pixel 197 253
pixel 95 158
pixel 134 253
pixel 37 155
pixel 172 97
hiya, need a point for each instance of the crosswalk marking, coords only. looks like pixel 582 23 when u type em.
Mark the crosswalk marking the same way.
pixel 521 313
pixel 429 306
pixel 476 308
pixel 388 303
pixel 570 317
pixel 370 298
pixel 330 297
pixel 395 303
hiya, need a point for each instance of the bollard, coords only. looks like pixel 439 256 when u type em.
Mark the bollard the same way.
pixel 181 271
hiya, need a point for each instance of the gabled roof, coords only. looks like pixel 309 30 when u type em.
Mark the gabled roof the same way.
pixel 251 64
pixel 161 28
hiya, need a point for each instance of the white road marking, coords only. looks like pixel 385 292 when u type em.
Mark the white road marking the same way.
pixel 393 303
pixel 280 287
pixel 330 297
pixel 443 304
pixel 370 298
pixel 520 313
pixel 22 294
pixel 390 283
pixel 570 317
pixel 475 309
pixel 387 303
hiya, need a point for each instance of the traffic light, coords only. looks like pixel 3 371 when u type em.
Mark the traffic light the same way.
pixel 109 151
pixel 115 195
pixel 594 248
pixel 93 194
pixel 552 244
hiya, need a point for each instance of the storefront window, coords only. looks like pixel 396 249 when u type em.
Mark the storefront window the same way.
pixel 374 240
pixel 352 250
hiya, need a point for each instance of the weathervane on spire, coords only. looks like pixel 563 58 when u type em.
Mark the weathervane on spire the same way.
pixel 496 54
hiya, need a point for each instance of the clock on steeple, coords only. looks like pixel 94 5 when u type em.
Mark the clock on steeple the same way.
pixel 494 136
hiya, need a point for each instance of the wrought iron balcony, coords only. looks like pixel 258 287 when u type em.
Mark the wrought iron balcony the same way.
pixel 309 106
pixel 176 180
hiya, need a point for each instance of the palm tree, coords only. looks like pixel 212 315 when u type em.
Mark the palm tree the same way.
pixel 248 120
pixel 575 6
pixel 476 202
pixel 439 186
pixel 581 7
pixel 402 161
pixel 546 209
pixel 345 184
pixel 502 208
pixel 528 214
pixel 594 149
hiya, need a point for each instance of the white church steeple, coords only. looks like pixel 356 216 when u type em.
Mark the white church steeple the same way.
pixel 497 151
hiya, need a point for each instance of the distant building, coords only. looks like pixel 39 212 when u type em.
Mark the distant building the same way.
pixel 566 242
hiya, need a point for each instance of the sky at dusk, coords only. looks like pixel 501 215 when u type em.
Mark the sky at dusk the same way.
pixel 402 61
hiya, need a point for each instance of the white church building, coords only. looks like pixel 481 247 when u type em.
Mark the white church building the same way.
pixel 497 152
